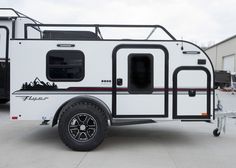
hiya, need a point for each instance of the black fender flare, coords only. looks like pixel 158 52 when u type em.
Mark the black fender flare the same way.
pixel 89 99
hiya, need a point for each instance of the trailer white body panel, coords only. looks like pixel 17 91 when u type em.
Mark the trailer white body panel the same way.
pixel 97 81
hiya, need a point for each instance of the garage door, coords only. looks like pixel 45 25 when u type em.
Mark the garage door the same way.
pixel 228 63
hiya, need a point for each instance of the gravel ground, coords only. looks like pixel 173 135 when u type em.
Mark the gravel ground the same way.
pixel 165 145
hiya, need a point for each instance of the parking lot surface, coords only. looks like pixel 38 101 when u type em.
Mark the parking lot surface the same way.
pixel 26 144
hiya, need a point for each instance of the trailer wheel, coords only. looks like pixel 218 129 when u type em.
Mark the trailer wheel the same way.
pixel 4 101
pixel 216 132
pixel 82 126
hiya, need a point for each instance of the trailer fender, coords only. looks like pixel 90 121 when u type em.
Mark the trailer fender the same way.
pixel 89 99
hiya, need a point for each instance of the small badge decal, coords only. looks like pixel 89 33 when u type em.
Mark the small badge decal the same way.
pixel 33 98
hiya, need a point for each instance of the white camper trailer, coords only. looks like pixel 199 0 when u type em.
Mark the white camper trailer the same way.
pixel 73 76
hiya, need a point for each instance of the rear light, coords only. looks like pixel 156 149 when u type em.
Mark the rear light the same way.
pixel 204 114
pixel 14 117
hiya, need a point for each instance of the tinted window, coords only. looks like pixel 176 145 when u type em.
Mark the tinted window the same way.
pixel 234 78
pixel 65 65
pixel 140 73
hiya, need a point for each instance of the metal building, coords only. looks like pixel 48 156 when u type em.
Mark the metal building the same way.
pixel 223 53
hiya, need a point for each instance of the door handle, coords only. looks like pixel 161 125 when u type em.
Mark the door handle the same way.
pixel 192 93
pixel 119 81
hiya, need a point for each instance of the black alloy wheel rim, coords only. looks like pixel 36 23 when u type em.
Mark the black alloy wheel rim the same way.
pixel 82 127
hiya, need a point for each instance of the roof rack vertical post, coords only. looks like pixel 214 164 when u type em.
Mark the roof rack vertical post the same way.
pixel 99 32
pixel 25 31
pixel 13 28
pixel 150 34
pixel 96 30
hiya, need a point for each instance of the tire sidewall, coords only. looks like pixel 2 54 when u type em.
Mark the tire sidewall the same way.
pixel 69 114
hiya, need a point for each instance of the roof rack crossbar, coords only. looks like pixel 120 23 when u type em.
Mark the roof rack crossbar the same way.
pixel 11 9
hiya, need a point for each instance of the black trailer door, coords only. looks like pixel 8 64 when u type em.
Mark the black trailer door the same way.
pixel 4 64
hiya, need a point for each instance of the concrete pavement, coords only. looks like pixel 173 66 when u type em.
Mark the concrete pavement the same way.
pixel 166 145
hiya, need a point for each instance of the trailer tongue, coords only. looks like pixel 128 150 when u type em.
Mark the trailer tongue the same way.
pixel 221 118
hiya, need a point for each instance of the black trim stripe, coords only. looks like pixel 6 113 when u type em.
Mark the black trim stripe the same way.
pixel 176 90
pixel 114 77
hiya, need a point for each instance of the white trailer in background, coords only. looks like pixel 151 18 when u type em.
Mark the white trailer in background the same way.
pixel 85 82
pixel 12 25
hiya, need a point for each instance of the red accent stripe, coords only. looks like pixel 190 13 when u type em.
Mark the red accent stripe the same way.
pixel 89 89
pixel 126 89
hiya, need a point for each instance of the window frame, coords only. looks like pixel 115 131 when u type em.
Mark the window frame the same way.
pixel 65 79
pixel 150 89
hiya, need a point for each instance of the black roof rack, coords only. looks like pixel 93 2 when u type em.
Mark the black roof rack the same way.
pixel 98 26
pixel 18 14
pixel 75 35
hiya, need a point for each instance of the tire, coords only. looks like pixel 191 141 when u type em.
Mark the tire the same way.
pixel 4 101
pixel 216 85
pixel 82 126
pixel 216 133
